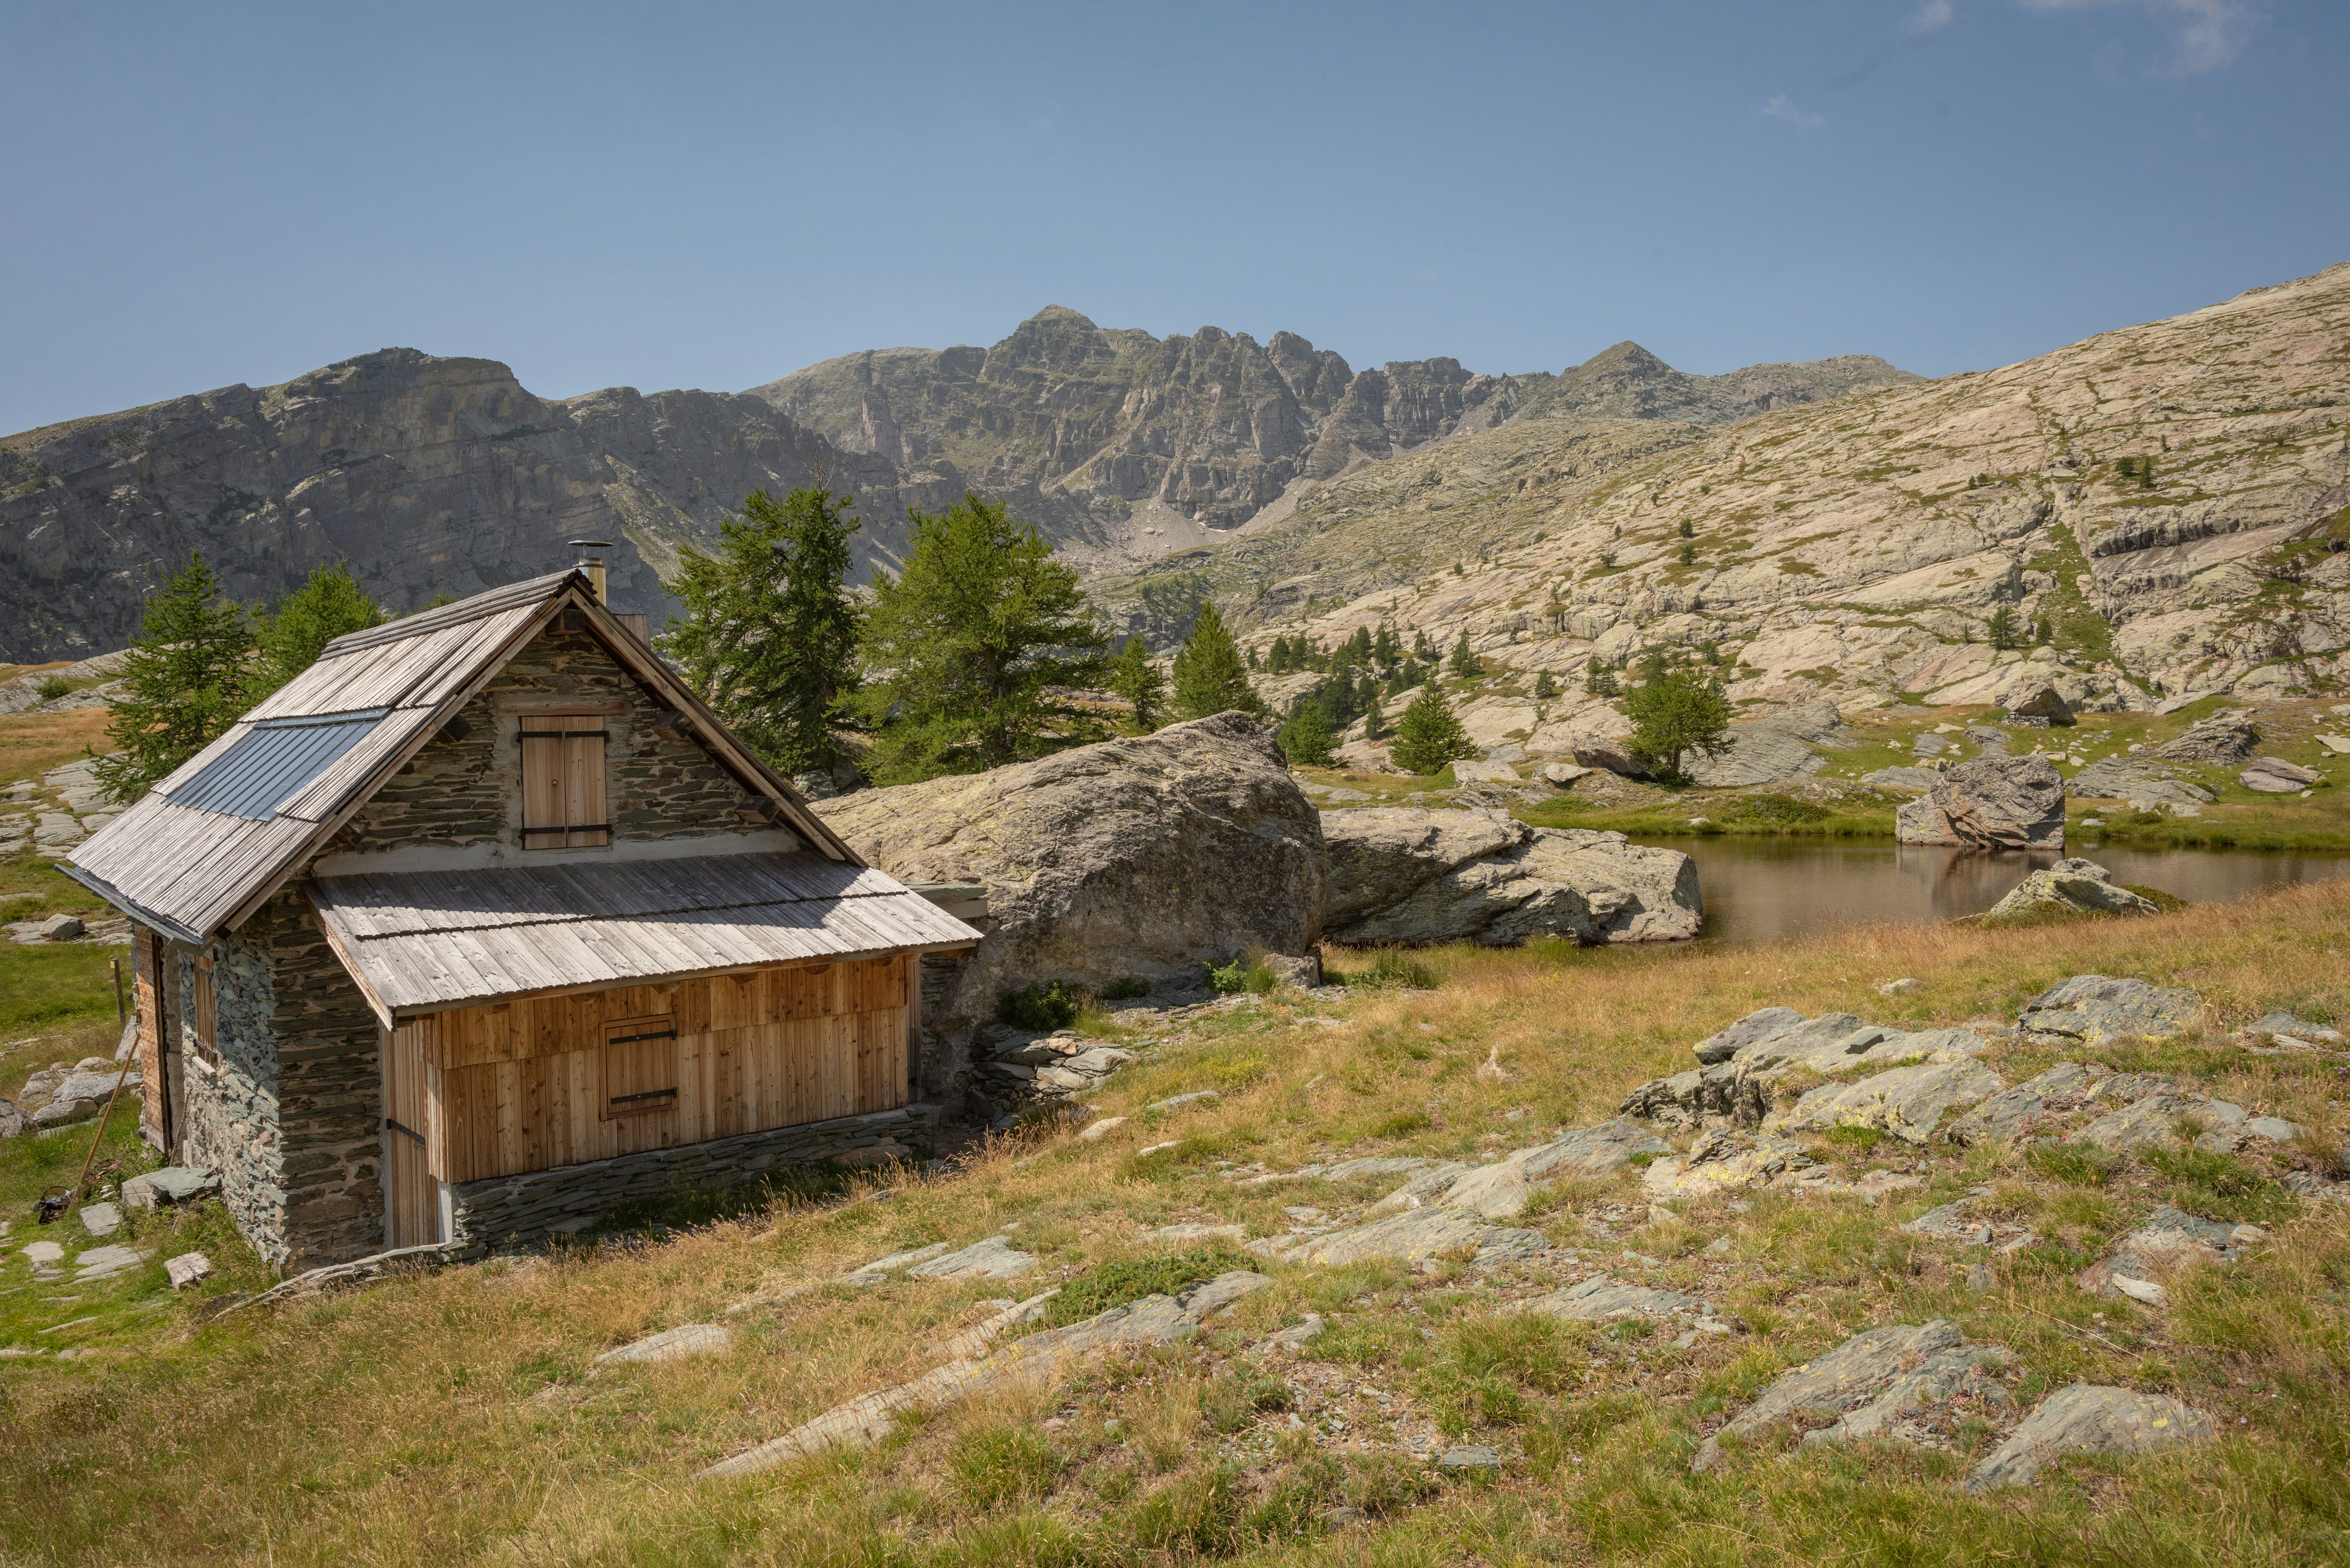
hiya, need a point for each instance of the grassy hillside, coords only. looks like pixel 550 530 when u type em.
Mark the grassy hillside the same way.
pixel 455 1418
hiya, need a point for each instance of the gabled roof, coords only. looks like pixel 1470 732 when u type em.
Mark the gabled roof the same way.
pixel 209 845
pixel 422 942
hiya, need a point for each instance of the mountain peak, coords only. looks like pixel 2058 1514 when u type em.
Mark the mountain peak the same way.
pixel 1626 355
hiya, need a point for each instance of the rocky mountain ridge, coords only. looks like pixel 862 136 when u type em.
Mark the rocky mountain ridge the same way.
pixel 432 475
pixel 2162 512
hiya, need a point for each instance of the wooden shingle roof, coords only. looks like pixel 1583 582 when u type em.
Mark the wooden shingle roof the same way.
pixel 203 849
pixel 422 942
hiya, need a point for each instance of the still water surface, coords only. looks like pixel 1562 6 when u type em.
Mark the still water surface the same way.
pixel 1761 889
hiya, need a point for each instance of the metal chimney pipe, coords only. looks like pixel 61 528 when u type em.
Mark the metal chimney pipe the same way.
pixel 592 565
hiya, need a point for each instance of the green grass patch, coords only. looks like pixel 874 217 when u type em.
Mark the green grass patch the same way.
pixel 1107 1285
pixel 56 985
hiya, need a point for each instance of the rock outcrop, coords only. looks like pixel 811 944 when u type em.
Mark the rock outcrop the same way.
pixel 1139 857
pixel 2214 741
pixel 2275 775
pixel 2080 886
pixel 2096 1008
pixel 1765 1049
pixel 1990 803
pixel 1412 876
pixel 2087 1419
pixel 1771 750
pixel 2037 704
pixel 1904 1382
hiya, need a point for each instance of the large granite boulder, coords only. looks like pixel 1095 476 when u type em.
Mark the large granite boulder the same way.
pixel 2217 741
pixel 1602 752
pixel 1144 858
pixel 1992 803
pixel 2072 886
pixel 2275 775
pixel 2037 703
pixel 1411 875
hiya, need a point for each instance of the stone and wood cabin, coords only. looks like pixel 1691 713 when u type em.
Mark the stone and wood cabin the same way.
pixel 485 924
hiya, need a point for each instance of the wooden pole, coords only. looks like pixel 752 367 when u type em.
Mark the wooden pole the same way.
pixel 121 1012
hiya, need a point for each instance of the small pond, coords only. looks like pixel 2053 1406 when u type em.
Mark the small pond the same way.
pixel 1761 889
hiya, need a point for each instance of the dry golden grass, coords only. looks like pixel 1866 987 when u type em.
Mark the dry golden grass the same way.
pixel 454 1419
pixel 32 743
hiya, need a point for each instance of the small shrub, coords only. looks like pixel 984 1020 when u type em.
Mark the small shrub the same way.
pixel 2082 1164
pixel 1229 978
pixel 1126 990
pixel 1390 969
pixel 53 687
pixel 1107 1285
pixel 1779 811
pixel 2221 1187
pixel 1053 1005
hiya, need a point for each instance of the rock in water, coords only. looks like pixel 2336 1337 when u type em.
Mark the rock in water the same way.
pixel 2082 885
pixel 1408 874
pixel 1143 857
pixel 2275 775
pixel 2037 705
pixel 2088 1419
pixel 1992 803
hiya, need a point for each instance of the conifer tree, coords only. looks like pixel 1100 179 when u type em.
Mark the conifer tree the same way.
pixel 1673 714
pixel 184 681
pixel 1306 738
pixel 1136 678
pixel 1421 649
pixel 1428 737
pixel 1466 665
pixel 770 634
pixel 292 637
pixel 1598 680
pixel 1209 675
pixel 1375 722
pixel 1545 687
pixel 966 651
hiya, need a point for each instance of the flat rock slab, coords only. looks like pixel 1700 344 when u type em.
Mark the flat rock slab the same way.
pixel 1028 1363
pixel 105 1262
pixel 1908 1101
pixel 1197 1232
pixel 101 1219
pixel 672 1345
pixel 2096 1008
pixel 1734 1087
pixel 2154 1118
pixel 895 1261
pixel 43 1254
pixel 1470 1459
pixel 990 1259
pixel 2008 1115
pixel 173 1184
pixel 1503 1190
pixel 1726 1159
pixel 2169 1239
pixel 2275 775
pixel 1413 1236
pixel 2086 1419
pixel 1724 1043
pixel 1600 1297
pixel 2300 1028
pixel 1877 1384
pixel 187 1269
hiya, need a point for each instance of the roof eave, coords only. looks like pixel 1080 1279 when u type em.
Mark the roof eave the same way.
pixel 133 908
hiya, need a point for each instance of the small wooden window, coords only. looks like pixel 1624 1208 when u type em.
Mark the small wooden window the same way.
pixel 640 1066
pixel 563 781
pixel 204 1014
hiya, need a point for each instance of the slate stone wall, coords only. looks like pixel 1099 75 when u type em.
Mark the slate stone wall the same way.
pixel 470 791
pixel 505 1212
pixel 293 1117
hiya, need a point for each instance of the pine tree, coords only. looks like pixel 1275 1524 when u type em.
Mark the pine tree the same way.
pixel 184 681
pixel 1421 649
pixel 2000 629
pixel 1545 687
pixel 1688 555
pixel 1689 530
pixel 966 650
pixel 1208 675
pixel 1385 649
pixel 1306 738
pixel 1375 722
pixel 1598 680
pixel 769 638
pixel 1673 714
pixel 1466 665
pixel 1136 678
pixel 1428 736
pixel 291 638
pixel 2043 633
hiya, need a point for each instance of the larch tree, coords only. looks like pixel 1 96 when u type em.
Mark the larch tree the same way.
pixel 1428 737
pixel 183 684
pixel 1209 675
pixel 292 636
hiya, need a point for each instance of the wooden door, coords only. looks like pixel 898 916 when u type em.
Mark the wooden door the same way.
pixel 411 1197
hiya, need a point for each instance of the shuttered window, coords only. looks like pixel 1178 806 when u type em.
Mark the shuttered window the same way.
pixel 203 1014
pixel 563 781
pixel 640 1066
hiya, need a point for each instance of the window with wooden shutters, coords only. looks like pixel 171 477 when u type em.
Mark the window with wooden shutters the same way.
pixel 203 1013
pixel 640 1066
pixel 563 781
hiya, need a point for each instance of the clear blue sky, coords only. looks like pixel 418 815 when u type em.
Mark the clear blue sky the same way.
pixel 710 196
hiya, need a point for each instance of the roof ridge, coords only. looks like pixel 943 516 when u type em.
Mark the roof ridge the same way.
pixel 441 616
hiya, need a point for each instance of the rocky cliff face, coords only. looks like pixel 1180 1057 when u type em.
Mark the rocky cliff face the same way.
pixel 428 475
pixel 1127 447
pixel 2171 503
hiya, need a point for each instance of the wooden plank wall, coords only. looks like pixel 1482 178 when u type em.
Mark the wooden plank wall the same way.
pixel 147 965
pixel 412 1200
pixel 518 1087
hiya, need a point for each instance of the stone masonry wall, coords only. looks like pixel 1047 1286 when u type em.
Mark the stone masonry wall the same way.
pixel 293 1117
pixel 512 1211
pixel 470 791
pixel 232 1124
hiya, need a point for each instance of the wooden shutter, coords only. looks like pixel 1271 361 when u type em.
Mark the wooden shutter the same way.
pixel 206 1018
pixel 640 1066
pixel 563 804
